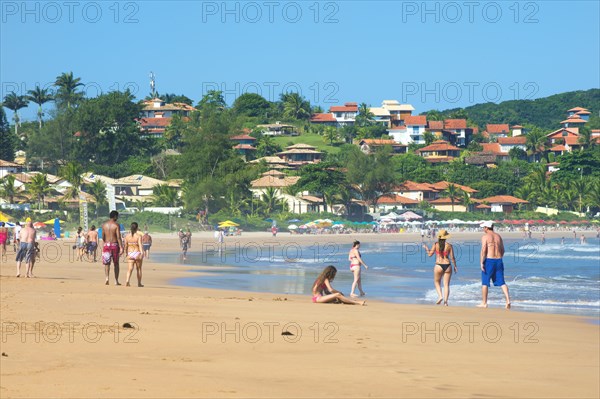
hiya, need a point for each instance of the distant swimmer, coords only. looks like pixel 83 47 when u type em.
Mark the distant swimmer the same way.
pixel 562 241
pixel 492 267
pixel 583 240
pixel 543 237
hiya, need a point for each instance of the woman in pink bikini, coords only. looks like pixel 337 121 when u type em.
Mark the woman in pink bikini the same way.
pixel 444 253
pixel 355 263
pixel 323 292
pixel 133 245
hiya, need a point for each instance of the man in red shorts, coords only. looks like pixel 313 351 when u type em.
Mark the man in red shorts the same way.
pixel 113 246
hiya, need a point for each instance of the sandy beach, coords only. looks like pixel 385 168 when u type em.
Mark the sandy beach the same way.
pixel 63 336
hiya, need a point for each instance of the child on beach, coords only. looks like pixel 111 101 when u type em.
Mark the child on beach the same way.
pixel 323 292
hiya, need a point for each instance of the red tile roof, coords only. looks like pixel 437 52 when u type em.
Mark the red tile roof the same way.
pixel 323 118
pixel 160 122
pixel 414 186
pixel 7 164
pixel 419 120
pixel 483 206
pixel 455 124
pixel 492 148
pixel 504 199
pixel 577 109
pixel 517 127
pixel 396 199
pixel 243 137
pixel 436 125
pixel 439 145
pixel 512 140
pixel 497 128
pixel 571 131
pixel 442 185
pixel 583 113
pixel 574 119
pixel 244 147
pixel 344 108
pixel 559 147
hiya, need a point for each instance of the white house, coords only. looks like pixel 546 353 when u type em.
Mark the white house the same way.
pixel 7 167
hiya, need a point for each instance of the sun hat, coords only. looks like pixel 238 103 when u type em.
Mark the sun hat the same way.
pixel 443 234
pixel 487 224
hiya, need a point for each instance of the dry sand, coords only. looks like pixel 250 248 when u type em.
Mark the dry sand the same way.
pixel 62 336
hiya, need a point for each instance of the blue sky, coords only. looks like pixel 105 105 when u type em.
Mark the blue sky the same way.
pixel 430 54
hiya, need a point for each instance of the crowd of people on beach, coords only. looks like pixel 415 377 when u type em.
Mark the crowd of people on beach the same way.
pixel 135 246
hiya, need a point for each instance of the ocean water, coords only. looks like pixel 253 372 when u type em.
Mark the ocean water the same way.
pixel 546 277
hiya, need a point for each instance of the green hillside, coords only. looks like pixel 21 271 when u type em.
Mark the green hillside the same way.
pixel 544 112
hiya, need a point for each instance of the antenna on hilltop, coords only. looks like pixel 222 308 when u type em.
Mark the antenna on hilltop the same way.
pixel 152 84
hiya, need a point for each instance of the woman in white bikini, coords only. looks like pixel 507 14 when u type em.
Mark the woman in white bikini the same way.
pixel 133 246
pixel 355 263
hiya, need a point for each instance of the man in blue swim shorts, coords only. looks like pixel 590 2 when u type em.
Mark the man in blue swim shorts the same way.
pixel 492 268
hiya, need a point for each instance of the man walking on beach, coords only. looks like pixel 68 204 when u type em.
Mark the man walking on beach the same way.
pixel 16 235
pixel 113 246
pixel 26 248
pixel 492 251
pixel 92 240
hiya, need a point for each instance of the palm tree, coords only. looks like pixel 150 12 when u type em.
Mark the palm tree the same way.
pixel 14 102
pixel 466 200
pixel 536 143
pixel 330 134
pixel 570 197
pixel 295 106
pixel 39 96
pixel 345 195
pixel 292 190
pixel 67 89
pixel 7 188
pixel 71 172
pixel 163 195
pixel 526 192
pixel 452 192
pixel 365 116
pixel 585 137
pixel 268 200
pixel 39 187
pixel 98 190
pixel 594 194
pixel 581 188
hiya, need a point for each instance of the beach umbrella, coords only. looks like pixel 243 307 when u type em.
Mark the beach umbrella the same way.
pixel 39 225
pixel 294 220
pixel 9 224
pixel 292 227
pixel 4 217
pixel 410 216
pixel 562 222
pixel 337 226
pixel 228 223
pixel 574 222
pixel 52 221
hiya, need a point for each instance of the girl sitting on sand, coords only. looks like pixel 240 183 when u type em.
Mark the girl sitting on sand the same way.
pixel 444 253
pixel 323 292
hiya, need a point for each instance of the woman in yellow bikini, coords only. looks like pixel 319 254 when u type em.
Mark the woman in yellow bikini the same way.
pixel 133 247
pixel 444 253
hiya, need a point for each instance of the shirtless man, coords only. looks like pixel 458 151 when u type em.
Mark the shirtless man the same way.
pixel 26 249
pixel 492 251
pixel 92 240
pixel 146 244
pixel 113 246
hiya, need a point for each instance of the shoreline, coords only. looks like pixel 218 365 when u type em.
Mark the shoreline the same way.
pixel 184 341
